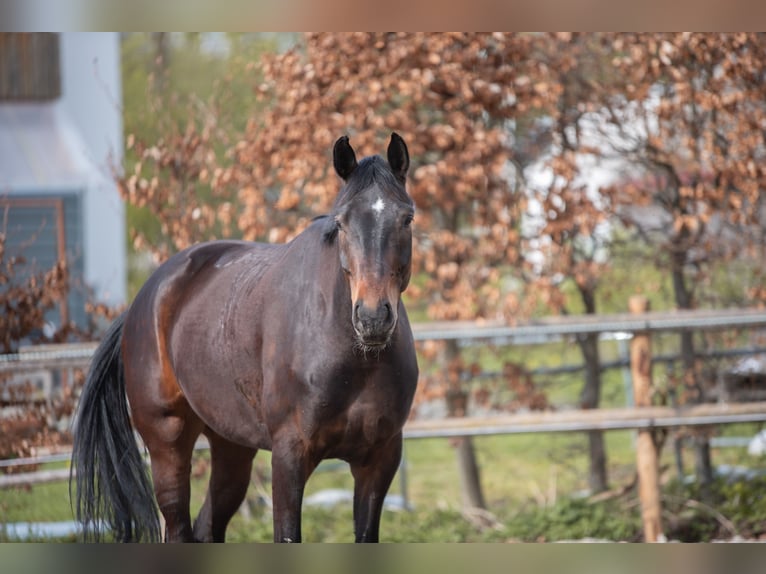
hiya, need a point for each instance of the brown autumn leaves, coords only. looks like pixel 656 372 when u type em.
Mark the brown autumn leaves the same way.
pixel 683 113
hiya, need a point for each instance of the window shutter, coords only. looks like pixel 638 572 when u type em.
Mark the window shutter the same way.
pixel 29 66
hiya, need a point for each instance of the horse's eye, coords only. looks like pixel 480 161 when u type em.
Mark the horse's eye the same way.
pixel 407 221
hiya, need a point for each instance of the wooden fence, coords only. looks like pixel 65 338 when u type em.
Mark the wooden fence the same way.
pixel 643 418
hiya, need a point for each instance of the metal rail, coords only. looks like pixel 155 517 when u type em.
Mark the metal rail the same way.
pixel 60 356
pixel 587 420
pixel 656 321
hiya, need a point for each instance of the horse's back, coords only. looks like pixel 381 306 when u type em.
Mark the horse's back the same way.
pixel 204 266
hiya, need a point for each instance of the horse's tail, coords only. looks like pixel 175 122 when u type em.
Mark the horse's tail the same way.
pixel 112 483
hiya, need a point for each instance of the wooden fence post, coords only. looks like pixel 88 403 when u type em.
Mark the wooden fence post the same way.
pixel 646 452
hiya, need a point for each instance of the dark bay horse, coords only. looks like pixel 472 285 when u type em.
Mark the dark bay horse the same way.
pixel 303 349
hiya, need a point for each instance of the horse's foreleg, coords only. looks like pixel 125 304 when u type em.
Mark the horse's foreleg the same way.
pixel 290 469
pixel 372 479
pixel 229 479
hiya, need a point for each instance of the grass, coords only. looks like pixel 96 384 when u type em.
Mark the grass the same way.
pixel 532 484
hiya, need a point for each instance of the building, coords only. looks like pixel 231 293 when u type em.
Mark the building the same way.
pixel 61 139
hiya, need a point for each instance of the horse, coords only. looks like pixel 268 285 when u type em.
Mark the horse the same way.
pixel 302 348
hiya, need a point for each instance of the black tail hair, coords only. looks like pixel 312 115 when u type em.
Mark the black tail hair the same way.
pixel 112 482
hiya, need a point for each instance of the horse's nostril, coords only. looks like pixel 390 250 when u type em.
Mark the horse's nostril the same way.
pixel 373 319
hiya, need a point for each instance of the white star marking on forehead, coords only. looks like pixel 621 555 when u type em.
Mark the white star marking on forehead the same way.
pixel 378 206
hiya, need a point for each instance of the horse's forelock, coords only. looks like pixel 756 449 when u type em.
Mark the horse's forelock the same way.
pixel 372 171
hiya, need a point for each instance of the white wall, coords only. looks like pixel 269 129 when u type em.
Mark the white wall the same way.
pixel 92 99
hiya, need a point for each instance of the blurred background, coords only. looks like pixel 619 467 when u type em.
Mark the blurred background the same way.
pixel 556 176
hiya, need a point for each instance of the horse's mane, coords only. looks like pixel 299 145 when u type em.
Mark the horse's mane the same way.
pixel 370 171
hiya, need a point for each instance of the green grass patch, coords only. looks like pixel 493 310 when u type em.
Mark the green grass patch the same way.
pixel 534 486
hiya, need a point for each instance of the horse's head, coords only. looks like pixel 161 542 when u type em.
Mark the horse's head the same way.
pixel 370 222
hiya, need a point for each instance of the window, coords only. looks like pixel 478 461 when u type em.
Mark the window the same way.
pixel 44 229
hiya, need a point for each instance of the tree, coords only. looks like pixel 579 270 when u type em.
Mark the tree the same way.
pixel 184 108
pixel 688 110
pixel 567 237
pixel 679 119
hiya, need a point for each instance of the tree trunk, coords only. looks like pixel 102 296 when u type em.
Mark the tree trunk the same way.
pixel 468 470
pixel 692 385
pixel 590 398
pixel 468 467
pixel 161 61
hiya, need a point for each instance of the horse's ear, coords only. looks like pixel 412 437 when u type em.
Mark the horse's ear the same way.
pixel 344 158
pixel 398 157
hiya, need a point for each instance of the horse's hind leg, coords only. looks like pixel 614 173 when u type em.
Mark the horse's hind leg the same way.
pixel 229 479
pixel 170 441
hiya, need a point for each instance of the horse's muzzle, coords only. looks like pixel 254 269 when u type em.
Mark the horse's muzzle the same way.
pixel 374 326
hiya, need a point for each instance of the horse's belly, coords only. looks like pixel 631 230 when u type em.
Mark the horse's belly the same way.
pixel 229 407
pixel 221 380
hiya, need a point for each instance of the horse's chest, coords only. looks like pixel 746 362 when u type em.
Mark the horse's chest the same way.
pixel 373 422
pixel 373 416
